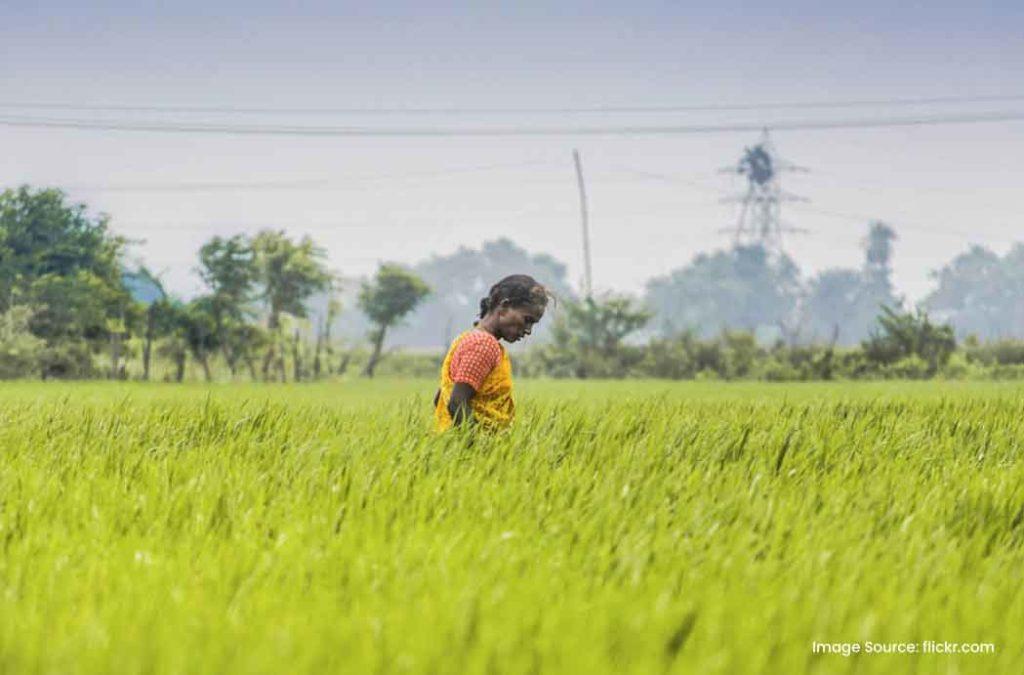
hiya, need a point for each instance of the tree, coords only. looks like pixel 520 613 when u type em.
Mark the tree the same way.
pixel 905 335
pixel 229 269
pixel 40 234
pixel 393 293
pixel 877 270
pixel 171 320
pixel 200 331
pixel 832 305
pixel 251 339
pixel 841 305
pixel 289 274
pixel 742 288
pixel 981 293
pixel 323 338
pixel 162 321
pixel 147 289
pixel 588 338
pixel 878 253
pixel 66 265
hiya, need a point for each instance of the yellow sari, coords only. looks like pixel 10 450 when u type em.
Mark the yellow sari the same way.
pixel 492 406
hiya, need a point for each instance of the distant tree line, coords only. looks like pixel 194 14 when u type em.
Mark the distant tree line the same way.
pixel 70 308
pixel 271 310
pixel 748 288
pixel 591 342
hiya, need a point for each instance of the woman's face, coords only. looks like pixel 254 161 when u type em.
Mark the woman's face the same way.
pixel 515 323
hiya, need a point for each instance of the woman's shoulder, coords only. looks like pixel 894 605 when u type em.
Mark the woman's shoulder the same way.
pixel 478 336
pixel 478 340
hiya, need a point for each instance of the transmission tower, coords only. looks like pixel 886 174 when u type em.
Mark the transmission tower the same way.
pixel 760 219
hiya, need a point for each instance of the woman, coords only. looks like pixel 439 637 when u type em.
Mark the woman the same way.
pixel 476 376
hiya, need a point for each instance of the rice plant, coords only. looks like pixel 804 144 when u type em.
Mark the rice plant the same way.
pixel 621 527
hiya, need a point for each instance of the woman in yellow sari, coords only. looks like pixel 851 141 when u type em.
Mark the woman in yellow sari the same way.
pixel 476 376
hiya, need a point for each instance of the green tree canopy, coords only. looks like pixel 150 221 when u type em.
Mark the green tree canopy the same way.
pixel 42 234
pixel 844 303
pixel 65 265
pixel 290 273
pixel 982 293
pixel 393 293
pixel 229 268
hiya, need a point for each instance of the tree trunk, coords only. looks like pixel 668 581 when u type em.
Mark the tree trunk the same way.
pixel 179 363
pixel 296 358
pixel 281 372
pixel 328 350
pixel 147 348
pixel 378 343
pixel 205 363
pixel 251 363
pixel 229 354
pixel 231 358
pixel 316 353
pixel 115 354
pixel 268 359
pixel 343 366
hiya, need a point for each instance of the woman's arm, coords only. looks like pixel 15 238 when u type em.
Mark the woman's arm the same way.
pixel 458 404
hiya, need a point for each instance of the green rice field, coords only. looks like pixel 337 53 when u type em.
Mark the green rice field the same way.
pixel 621 527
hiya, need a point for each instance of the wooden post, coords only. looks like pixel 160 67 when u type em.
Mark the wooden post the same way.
pixel 587 281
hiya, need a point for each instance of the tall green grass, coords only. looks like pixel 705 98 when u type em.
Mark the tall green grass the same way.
pixel 620 528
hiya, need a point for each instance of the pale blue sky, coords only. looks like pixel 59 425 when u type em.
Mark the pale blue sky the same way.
pixel 369 199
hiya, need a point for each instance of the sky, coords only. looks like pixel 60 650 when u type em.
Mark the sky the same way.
pixel 655 200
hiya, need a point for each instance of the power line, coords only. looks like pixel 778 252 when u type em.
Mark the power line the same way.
pixel 311 184
pixel 445 110
pixel 451 132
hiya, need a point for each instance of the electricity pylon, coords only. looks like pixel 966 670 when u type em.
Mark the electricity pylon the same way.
pixel 760 219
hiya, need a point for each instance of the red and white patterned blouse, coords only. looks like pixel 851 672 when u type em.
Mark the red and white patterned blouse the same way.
pixel 474 358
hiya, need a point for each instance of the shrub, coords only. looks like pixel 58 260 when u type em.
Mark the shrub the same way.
pixel 908 368
pixel 19 349
pixel 903 335
pixel 67 361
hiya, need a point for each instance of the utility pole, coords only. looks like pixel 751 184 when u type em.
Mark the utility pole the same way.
pixel 587 287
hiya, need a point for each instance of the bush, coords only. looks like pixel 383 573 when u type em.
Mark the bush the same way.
pixel 742 354
pixel 958 368
pixel 908 368
pixel 19 349
pixel 776 371
pixel 589 339
pixel 670 359
pixel 1008 372
pixel 67 361
pixel 904 335
pixel 1002 352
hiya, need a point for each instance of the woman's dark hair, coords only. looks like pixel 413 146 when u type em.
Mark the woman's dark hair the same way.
pixel 519 290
